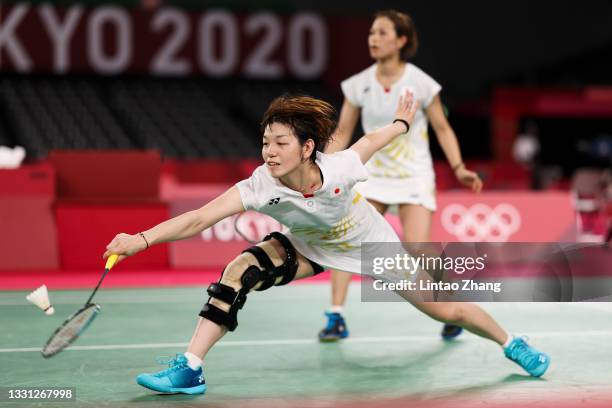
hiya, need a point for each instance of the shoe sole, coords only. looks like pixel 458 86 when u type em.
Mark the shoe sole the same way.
pixel 329 339
pixel 200 389
pixel 332 339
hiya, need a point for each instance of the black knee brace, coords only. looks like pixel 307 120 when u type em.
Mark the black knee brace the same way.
pixel 268 274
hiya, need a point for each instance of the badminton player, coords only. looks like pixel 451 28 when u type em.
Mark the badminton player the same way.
pixel 312 194
pixel 401 173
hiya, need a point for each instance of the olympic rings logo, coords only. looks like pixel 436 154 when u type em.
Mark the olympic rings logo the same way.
pixel 481 222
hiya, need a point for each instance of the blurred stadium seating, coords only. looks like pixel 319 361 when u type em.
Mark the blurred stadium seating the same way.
pixel 184 118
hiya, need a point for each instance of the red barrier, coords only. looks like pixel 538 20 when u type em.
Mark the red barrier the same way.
pixel 27 239
pixel 28 180
pixel 85 229
pixel 85 226
pixel 102 193
pixel 119 175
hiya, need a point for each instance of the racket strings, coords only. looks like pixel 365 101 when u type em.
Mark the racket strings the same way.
pixel 79 321
pixel 70 330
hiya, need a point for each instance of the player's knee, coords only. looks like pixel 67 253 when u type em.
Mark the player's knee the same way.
pixel 454 313
pixel 244 274
pixel 232 275
pixel 231 278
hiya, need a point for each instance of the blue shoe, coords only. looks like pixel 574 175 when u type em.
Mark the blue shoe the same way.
pixel 336 328
pixel 533 361
pixel 450 331
pixel 178 378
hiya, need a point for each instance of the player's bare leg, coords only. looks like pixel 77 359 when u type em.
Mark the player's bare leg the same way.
pixel 336 327
pixel 476 320
pixel 241 276
pixel 416 223
pixel 207 333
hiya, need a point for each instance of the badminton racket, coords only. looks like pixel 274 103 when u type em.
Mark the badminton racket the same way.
pixel 78 322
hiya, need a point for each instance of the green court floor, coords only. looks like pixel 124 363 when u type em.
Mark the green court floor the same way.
pixel 273 358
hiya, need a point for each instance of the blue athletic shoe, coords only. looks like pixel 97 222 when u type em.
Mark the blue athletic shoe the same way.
pixel 178 378
pixel 336 328
pixel 533 361
pixel 450 331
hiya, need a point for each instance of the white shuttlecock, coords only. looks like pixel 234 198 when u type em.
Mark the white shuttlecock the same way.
pixel 40 298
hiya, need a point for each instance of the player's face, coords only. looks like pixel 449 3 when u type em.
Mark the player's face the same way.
pixel 383 41
pixel 281 150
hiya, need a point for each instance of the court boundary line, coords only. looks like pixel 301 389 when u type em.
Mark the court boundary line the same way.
pixel 290 342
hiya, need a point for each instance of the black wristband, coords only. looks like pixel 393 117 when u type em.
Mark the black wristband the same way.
pixel 404 122
pixel 145 239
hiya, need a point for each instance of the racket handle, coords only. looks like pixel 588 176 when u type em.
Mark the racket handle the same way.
pixel 111 261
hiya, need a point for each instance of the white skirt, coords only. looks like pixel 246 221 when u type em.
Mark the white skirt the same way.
pixel 412 190
pixel 347 261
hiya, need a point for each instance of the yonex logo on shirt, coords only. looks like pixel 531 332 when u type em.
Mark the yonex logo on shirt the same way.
pixel 274 201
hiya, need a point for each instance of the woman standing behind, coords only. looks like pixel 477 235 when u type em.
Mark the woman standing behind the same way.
pixel 402 172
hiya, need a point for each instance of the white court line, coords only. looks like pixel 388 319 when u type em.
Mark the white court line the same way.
pixel 605 306
pixel 289 342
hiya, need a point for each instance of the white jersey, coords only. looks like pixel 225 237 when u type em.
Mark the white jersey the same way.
pixel 402 171
pixel 329 225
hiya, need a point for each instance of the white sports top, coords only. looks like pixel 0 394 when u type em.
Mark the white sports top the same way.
pixel 328 226
pixel 407 155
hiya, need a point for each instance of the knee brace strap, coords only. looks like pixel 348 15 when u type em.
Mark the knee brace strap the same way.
pixel 289 268
pixel 270 273
pixel 225 293
pixel 228 295
pixel 250 278
pixel 253 277
pixel 221 317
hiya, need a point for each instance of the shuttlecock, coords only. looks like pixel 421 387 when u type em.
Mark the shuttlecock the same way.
pixel 40 298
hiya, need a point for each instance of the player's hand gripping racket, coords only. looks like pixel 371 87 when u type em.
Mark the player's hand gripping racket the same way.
pixel 78 321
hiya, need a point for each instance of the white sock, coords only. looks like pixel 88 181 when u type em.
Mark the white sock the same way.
pixel 336 309
pixel 194 362
pixel 508 341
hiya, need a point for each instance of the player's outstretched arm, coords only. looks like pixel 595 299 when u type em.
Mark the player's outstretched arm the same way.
pixel 346 125
pixel 373 141
pixel 183 226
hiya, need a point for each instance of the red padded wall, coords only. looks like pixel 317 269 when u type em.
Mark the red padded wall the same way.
pixel 84 230
pixel 28 238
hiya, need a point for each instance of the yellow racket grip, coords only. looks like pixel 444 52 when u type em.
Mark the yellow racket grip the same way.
pixel 111 261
